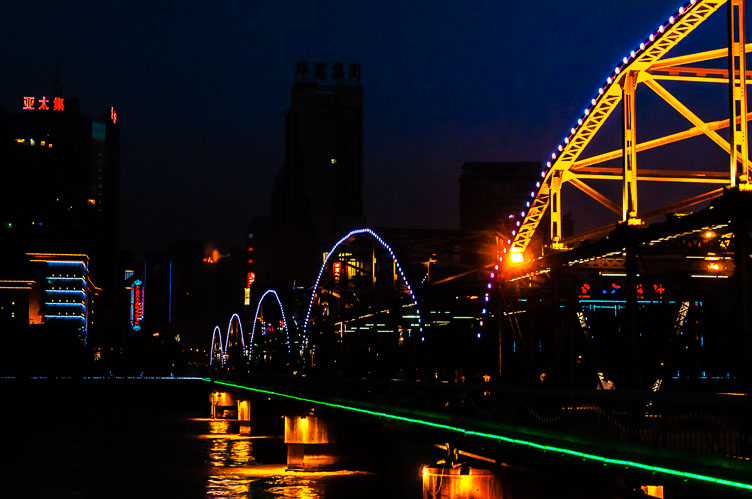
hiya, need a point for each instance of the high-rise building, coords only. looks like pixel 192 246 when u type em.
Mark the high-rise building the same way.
pixel 318 194
pixel 59 209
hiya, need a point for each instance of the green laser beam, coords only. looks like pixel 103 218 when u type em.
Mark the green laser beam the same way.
pixel 501 438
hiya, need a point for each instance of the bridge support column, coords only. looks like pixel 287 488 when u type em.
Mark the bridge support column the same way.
pixel 309 444
pixel 555 187
pixel 223 405
pixel 244 417
pixel 460 483
pixel 629 154
pixel 738 94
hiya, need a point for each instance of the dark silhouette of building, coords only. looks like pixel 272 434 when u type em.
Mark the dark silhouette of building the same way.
pixel 318 193
pixel 59 211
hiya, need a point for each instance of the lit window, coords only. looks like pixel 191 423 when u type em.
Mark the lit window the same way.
pixel 32 142
pixel 20 141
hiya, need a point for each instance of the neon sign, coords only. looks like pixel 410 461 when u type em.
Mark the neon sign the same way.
pixel 58 104
pixel 337 271
pixel 137 304
pixel 113 115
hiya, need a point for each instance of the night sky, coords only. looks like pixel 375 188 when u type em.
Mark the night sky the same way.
pixel 200 89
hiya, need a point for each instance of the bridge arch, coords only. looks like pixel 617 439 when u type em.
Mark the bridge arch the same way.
pixel 234 319
pixel 255 319
pixel 217 334
pixel 332 252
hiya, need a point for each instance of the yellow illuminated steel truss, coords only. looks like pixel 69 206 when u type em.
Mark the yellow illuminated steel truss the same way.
pixel 646 65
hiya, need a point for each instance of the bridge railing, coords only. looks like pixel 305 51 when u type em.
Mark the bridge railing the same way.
pixel 703 424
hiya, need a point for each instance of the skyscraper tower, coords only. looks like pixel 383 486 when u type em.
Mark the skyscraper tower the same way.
pixel 318 194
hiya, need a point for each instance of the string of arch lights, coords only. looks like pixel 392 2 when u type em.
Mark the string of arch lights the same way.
pixel 223 349
pixel 521 217
pixel 229 327
pixel 216 333
pixel 304 343
pixel 255 319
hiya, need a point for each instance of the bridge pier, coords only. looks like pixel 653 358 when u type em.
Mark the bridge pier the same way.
pixel 310 446
pixel 460 483
pixel 223 405
pixel 244 417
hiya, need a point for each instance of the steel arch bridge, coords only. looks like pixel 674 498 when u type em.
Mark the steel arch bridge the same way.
pixel 346 280
pixel 644 65
pixel 626 270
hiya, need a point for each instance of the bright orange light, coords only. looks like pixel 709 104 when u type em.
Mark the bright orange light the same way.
pixel 709 234
pixel 517 257
pixel 653 490
pixel 714 266
pixel 424 472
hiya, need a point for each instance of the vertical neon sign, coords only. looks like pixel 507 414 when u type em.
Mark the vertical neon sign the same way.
pixel 137 304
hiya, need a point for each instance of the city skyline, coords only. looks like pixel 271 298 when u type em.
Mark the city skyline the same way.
pixel 200 95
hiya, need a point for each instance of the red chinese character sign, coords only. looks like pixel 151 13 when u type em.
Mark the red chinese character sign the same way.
pixel 58 104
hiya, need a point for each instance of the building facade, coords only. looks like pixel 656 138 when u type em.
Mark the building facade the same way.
pixel 58 214
pixel 318 193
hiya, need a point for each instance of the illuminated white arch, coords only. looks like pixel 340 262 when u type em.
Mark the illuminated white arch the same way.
pixel 217 333
pixel 255 319
pixel 227 337
pixel 304 343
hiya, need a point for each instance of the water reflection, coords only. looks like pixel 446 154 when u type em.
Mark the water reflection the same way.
pixel 218 426
pixel 289 487
pixel 235 472
pixel 230 486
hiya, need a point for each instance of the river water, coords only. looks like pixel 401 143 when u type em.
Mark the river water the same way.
pixel 78 446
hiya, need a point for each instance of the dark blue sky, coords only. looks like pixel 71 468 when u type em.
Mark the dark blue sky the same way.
pixel 200 88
